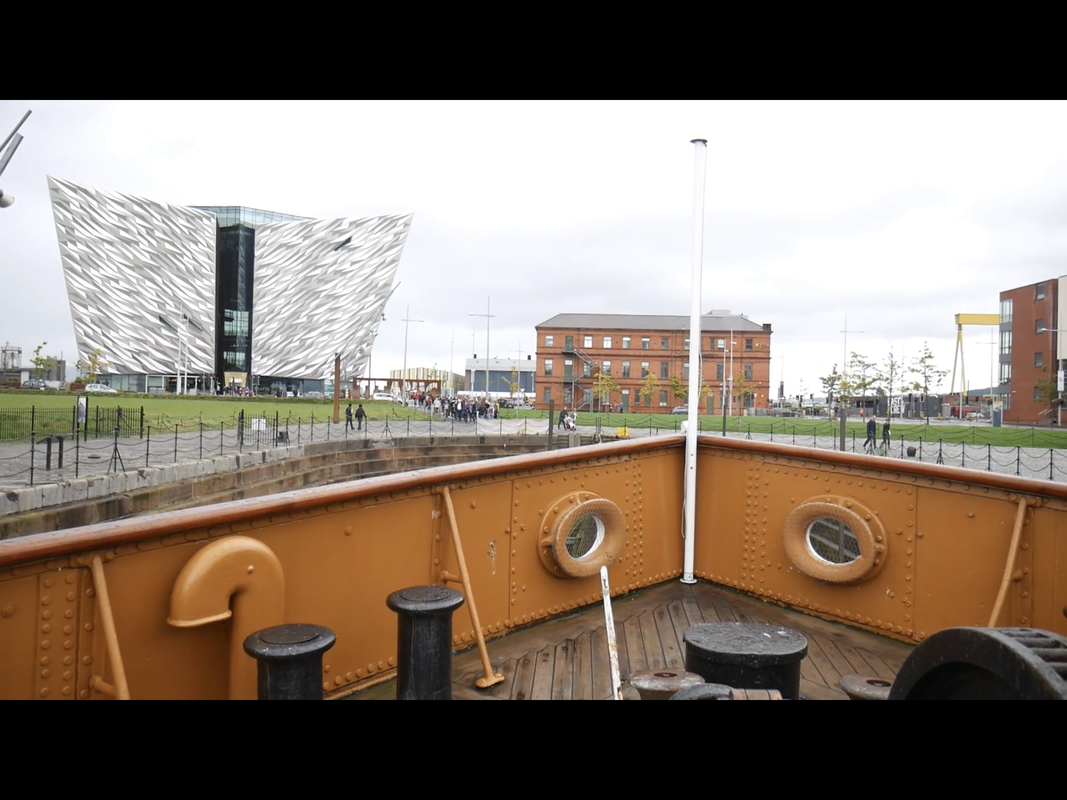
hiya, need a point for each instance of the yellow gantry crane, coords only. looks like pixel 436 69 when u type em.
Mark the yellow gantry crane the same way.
pixel 961 320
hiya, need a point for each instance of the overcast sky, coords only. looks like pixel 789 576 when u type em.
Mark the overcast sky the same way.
pixel 898 215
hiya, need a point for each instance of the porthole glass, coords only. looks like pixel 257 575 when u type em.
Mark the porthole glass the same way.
pixel 584 536
pixel 831 541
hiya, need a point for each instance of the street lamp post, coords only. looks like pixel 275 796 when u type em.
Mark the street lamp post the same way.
pixel 731 395
pixel 487 316
pixel 725 350
pixel 404 374
pixel 451 363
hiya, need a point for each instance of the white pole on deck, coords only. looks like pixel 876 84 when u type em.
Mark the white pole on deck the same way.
pixel 609 626
pixel 695 378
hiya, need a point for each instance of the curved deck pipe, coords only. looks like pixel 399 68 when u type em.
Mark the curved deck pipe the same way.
pixel 236 577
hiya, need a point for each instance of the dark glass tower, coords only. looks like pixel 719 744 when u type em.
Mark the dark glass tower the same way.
pixel 235 257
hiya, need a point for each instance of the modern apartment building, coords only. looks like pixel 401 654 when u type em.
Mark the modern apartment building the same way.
pixel 627 361
pixel 1031 344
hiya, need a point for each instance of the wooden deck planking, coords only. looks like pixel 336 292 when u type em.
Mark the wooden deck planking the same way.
pixel 819 654
pixel 857 663
pixel 650 636
pixel 672 625
pixel 544 664
pixel 881 669
pixel 635 646
pixel 692 611
pixel 568 658
pixel 563 671
pixel 583 667
pixel 522 687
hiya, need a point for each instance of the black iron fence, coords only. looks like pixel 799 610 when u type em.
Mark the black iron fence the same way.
pixel 22 424
pixel 123 440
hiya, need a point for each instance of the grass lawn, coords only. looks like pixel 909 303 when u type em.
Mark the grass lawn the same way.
pixel 54 412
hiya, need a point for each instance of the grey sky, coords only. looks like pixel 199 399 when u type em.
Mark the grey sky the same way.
pixel 899 215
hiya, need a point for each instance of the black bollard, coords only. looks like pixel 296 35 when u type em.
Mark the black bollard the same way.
pixel 424 641
pixel 704 691
pixel 747 656
pixel 290 660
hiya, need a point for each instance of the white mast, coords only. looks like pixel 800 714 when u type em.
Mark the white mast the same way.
pixel 694 362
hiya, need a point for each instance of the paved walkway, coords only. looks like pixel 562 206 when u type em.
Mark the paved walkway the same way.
pixel 20 467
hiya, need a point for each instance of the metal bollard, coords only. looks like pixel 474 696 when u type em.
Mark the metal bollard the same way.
pixel 747 655
pixel 862 687
pixel 661 684
pixel 704 691
pixel 424 641
pixel 290 660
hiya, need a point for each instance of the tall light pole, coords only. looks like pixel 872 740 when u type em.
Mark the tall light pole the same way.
pixel 487 316
pixel 725 350
pixel 451 363
pixel 844 358
pixel 732 343
pixel 404 374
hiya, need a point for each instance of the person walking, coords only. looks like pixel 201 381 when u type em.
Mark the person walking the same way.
pixel 885 437
pixel 360 414
pixel 348 417
pixel 872 433
pixel 562 418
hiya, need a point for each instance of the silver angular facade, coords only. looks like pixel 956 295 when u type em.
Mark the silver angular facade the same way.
pixel 136 269
pixel 133 267
pixel 320 288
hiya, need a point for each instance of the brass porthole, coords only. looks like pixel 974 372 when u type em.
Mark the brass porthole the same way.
pixel 835 539
pixel 582 532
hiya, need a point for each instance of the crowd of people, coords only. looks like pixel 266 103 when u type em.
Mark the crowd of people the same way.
pixel 461 409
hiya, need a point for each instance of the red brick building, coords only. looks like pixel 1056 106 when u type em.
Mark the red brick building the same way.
pixel 572 349
pixel 1029 352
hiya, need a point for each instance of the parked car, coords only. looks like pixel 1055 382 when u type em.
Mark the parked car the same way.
pixel 385 396
pixel 315 395
pixel 100 387
pixel 34 383
pixel 680 410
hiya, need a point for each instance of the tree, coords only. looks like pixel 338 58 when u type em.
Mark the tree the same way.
pixel 515 386
pixel 863 376
pixel 1047 390
pixel 890 373
pixel 649 386
pixel 41 364
pixel 681 390
pixel 742 388
pixel 922 367
pixel 92 368
pixel 605 384
pixel 830 383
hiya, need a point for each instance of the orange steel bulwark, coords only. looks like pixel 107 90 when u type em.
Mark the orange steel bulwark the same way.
pixel 184 586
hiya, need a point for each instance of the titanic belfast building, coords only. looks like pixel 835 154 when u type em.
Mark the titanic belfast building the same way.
pixel 178 298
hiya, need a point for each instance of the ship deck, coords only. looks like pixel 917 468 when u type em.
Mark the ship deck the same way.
pixel 567 658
